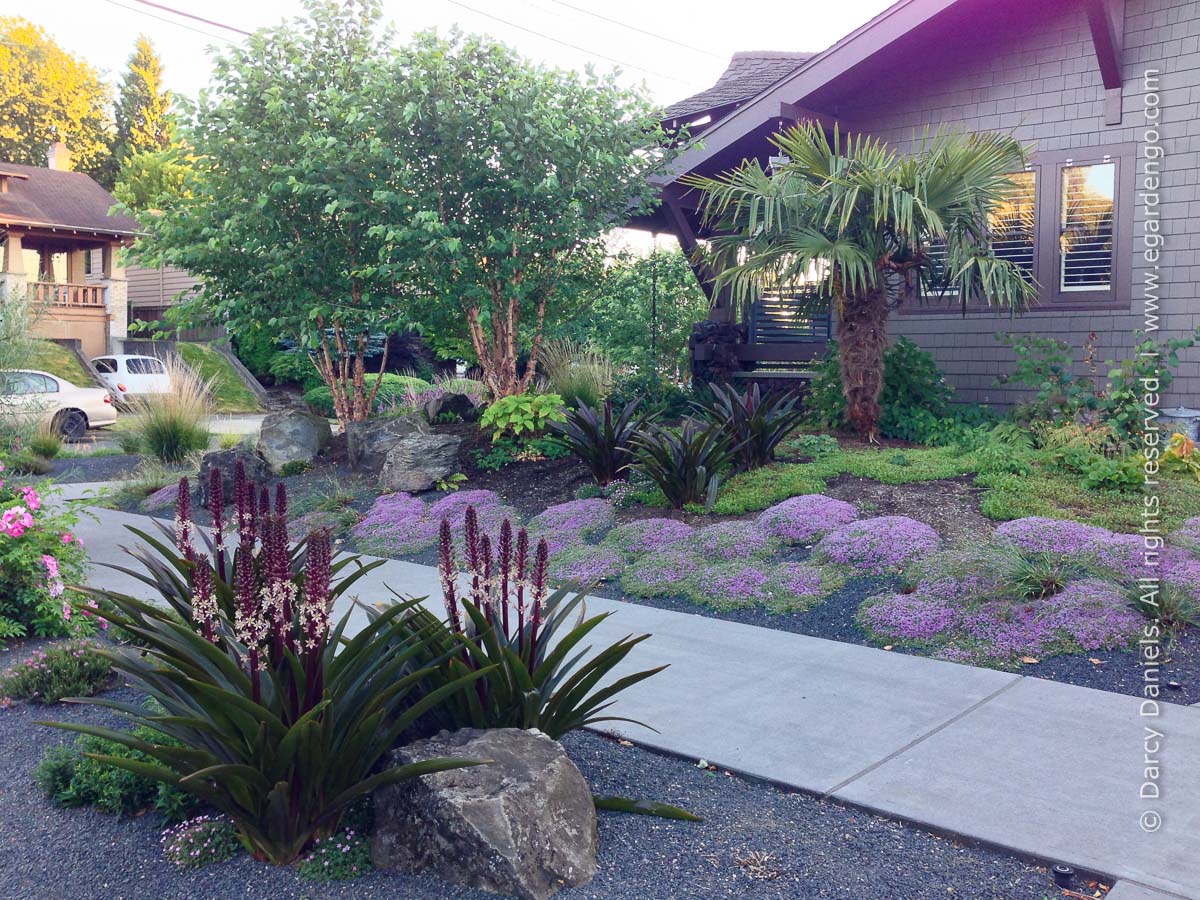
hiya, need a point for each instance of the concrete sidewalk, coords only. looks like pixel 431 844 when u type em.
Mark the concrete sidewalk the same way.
pixel 1032 766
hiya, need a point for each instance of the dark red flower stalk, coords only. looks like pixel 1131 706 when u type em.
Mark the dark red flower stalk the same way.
pixel 204 601
pixel 244 502
pixel 448 569
pixel 541 570
pixel 505 563
pixel 522 570
pixel 183 519
pixel 216 505
pixel 249 626
pixel 471 551
pixel 264 501
pixel 485 551
pixel 314 612
pixel 281 501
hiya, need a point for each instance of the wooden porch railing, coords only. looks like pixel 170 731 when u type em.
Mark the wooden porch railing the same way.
pixel 59 294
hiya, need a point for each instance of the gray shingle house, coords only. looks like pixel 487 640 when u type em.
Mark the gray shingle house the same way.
pixel 1105 92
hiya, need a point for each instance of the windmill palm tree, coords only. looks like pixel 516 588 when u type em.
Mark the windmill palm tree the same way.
pixel 869 229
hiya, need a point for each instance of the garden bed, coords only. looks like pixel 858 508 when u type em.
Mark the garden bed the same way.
pixel 756 840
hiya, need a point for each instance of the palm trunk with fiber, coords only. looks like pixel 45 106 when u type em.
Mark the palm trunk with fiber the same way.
pixel 862 337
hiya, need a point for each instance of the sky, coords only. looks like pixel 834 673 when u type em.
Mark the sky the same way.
pixel 564 33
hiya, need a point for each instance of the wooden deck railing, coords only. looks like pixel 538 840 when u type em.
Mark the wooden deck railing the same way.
pixel 59 294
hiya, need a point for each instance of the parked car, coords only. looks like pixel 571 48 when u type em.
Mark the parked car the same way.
pixel 132 376
pixel 27 395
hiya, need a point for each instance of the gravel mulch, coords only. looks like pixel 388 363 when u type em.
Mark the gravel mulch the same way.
pixel 92 468
pixel 756 841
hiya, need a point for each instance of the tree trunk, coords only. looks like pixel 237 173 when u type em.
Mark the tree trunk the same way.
pixel 862 339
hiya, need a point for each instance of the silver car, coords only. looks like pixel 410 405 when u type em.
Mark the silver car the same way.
pixel 27 395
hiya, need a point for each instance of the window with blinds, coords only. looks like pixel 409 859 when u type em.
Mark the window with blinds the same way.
pixel 1085 239
pixel 1013 222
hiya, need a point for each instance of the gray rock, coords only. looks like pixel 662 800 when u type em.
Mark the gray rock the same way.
pixel 418 461
pixel 459 404
pixel 368 442
pixel 523 825
pixel 257 471
pixel 293 436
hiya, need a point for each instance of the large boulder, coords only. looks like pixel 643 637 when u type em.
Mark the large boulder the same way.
pixel 257 471
pixel 459 405
pixel 293 436
pixel 368 442
pixel 522 825
pixel 417 462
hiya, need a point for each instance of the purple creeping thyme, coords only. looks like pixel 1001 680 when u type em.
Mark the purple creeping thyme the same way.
pixel 396 523
pixel 648 536
pixel 662 574
pixel 572 523
pixel 728 541
pixel 803 519
pixel 1038 534
pixel 919 616
pixel 1188 535
pixel 163 498
pixel 880 546
pixel 732 584
pixel 585 565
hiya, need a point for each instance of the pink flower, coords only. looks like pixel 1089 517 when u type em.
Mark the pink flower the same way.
pixel 32 500
pixel 51 564
pixel 66 611
pixel 67 537
pixel 15 521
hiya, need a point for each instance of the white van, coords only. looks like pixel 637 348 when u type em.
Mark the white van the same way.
pixel 132 376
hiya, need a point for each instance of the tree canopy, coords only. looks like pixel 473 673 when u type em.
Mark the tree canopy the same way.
pixel 143 111
pixel 49 95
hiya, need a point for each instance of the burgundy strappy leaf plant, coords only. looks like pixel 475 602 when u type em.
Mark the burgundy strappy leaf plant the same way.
pixel 281 717
pixel 503 617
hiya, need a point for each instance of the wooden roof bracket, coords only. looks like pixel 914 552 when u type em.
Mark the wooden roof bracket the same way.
pixel 720 308
pixel 1106 19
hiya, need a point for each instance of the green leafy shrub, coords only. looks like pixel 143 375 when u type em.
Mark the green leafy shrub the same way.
pixel 296 367
pixel 1047 367
pixel 392 390
pixel 26 462
pixel 39 556
pixel 340 857
pixel 507 451
pixel 525 640
pixel 1122 404
pixel 74 776
pixel 602 442
pixel 294 467
pixel 915 393
pixel 283 721
pixel 684 463
pixel 810 444
pixel 755 424
pixel 201 842
pixel 73 669
pixel 1105 474
pixel 522 415
pixel 658 395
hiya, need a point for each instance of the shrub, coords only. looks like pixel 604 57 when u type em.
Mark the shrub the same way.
pixel 1104 474
pixel 755 425
pixel 294 467
pixel 523 639
pixel 73 776
pixel 812 444
pixel 572 522
pixel 582 376
pixel 803 519
pixel 26 462
pixel 1046 366
pixel 522 415
pixel 1123 403
pixel 316 713
pixel 880 546
pixel 46 443
pixel 659 396
pixel 296 367
pixel 200 842
pixel 648 536
pixel 684 464
pixel 733 540
pixel 39 556
pixel 604 443
pixel 392 390
pixel 172 425
pixel 915 394
pixel 73 669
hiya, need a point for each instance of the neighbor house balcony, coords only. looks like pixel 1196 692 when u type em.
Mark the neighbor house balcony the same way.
pixel 56 293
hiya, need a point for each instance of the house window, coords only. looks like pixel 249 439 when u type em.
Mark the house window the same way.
pixel 1085 235
pixel 1014 223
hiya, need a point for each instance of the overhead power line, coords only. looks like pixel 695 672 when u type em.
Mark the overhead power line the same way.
pixel 188 15
pixel 611 59
pixel 142 12
pixel 653 34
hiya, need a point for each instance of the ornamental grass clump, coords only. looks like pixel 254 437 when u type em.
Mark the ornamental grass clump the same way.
pixel 804 519
pixel 282 718
pixel 726 541
pixel 881 546
pixel 505 623
pixel 634 539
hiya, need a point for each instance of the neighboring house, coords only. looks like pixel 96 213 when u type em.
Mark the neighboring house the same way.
pixel 1070 78
pixel 61 249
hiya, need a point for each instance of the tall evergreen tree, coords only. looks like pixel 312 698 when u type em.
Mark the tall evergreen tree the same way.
pixel 144 120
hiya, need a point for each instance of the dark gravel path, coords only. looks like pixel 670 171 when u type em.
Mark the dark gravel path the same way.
pixel 756 841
